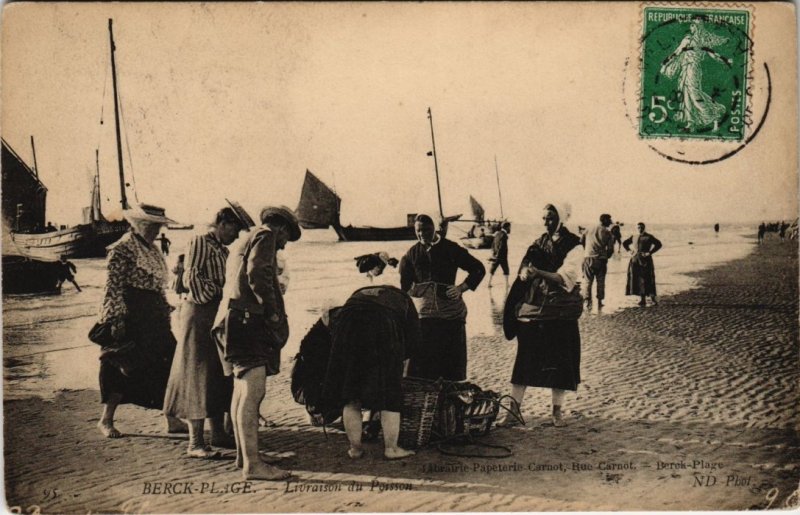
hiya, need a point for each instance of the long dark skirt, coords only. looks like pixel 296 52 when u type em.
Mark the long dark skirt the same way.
pixel 443 352
pixel 641 277
pixel 548 355
pixel 147 364
pixel 366 360
pixel 197 386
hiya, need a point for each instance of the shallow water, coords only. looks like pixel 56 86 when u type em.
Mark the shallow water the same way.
pixel 44 337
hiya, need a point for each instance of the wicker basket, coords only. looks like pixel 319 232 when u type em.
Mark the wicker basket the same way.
pixel 465 411
pixel 421 399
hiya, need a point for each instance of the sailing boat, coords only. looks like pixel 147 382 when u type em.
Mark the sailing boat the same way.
pixel 90 238
pixel 484 238
pixel 320 206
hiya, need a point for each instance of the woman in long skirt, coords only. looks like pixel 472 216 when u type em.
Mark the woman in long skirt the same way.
pixel 548 350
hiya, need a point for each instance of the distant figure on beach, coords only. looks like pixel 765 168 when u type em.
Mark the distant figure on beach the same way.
pixel 428 273
pixel 50 227
pixel 641 271
pixel 716 227
pixel 165 243
pixel 373 265
pixel 65 271
pixel 138 347
pixel 371 336
pixel 178 270
pixel 616 232
pixel 251 329
pixel 782 230
pixel 762 228
pixel 198 388
pixel 500 252
pixel 548 344
pixel 599 246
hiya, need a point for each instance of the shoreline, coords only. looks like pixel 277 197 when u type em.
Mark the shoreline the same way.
pixel 704 385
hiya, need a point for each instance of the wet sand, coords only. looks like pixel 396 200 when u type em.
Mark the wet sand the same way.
pixel 688 405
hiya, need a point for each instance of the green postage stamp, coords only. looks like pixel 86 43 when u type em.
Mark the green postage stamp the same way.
pixel 694 73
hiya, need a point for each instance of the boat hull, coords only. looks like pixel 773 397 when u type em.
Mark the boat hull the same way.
pixel 25 275
pixel 81 241
pixel 312 225
pixel 478 242
pixel 350 233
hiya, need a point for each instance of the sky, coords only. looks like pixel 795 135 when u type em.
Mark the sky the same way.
pixel 238 100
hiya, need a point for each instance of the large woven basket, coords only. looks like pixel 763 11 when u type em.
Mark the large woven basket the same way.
pixel 421 399
pixel 465 411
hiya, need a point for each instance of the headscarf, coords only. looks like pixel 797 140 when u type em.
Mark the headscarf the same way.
pixel 562 209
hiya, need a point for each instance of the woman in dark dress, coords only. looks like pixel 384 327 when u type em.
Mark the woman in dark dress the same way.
pixel 371 337
pixel 135 362
pixel 548 351
pixel 428 273
pixel 641 270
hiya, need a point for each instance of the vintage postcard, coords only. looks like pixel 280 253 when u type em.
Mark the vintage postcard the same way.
pixel 395 257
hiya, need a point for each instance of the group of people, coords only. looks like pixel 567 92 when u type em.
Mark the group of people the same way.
pixel 230 335
pixel 599 242
pixel 233 325
pixel 783 229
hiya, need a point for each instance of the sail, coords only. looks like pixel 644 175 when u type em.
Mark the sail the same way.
pixel 477 209
pixel 319 205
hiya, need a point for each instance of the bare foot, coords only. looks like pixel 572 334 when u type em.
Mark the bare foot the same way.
pixel 355 452
pixel 270 458
pixel 397 453
pixel 108 429
pixel 204 453
pixel 265 472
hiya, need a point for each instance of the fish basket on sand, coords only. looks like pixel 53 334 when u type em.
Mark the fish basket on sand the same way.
pixel 421 399
pixel 465 411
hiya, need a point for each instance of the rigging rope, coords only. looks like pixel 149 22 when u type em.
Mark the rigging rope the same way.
pixel 128 148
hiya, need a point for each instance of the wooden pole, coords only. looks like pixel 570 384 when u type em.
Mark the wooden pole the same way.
pixel 123 197
pixel 436 165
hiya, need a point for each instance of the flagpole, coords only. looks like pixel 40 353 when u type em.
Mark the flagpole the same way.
pixel 436 165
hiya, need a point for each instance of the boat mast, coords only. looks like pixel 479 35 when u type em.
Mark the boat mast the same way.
pixel 123 198
pixel 436 165
pixel 499 194
pixel 35 166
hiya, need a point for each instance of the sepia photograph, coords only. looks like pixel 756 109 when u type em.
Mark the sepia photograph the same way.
pixel 380 257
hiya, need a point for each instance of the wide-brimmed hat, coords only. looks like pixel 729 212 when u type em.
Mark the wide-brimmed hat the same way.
pixel 287 215
pixel 242 216
pixel 146 213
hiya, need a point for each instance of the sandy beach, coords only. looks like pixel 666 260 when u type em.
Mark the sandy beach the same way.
pixel 688 405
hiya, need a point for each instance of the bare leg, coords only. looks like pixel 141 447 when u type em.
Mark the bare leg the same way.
pixel 390 422
pixel 507 419
pixel 235 401
pixel 106 423
pixel 558 400
pixel 253 389
pixel 351 417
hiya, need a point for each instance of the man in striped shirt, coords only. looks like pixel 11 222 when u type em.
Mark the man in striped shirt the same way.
pixel 198 388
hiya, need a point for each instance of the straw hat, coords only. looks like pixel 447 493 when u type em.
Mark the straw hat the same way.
pixel 146 213
pixel 287 215
pixel 242 215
